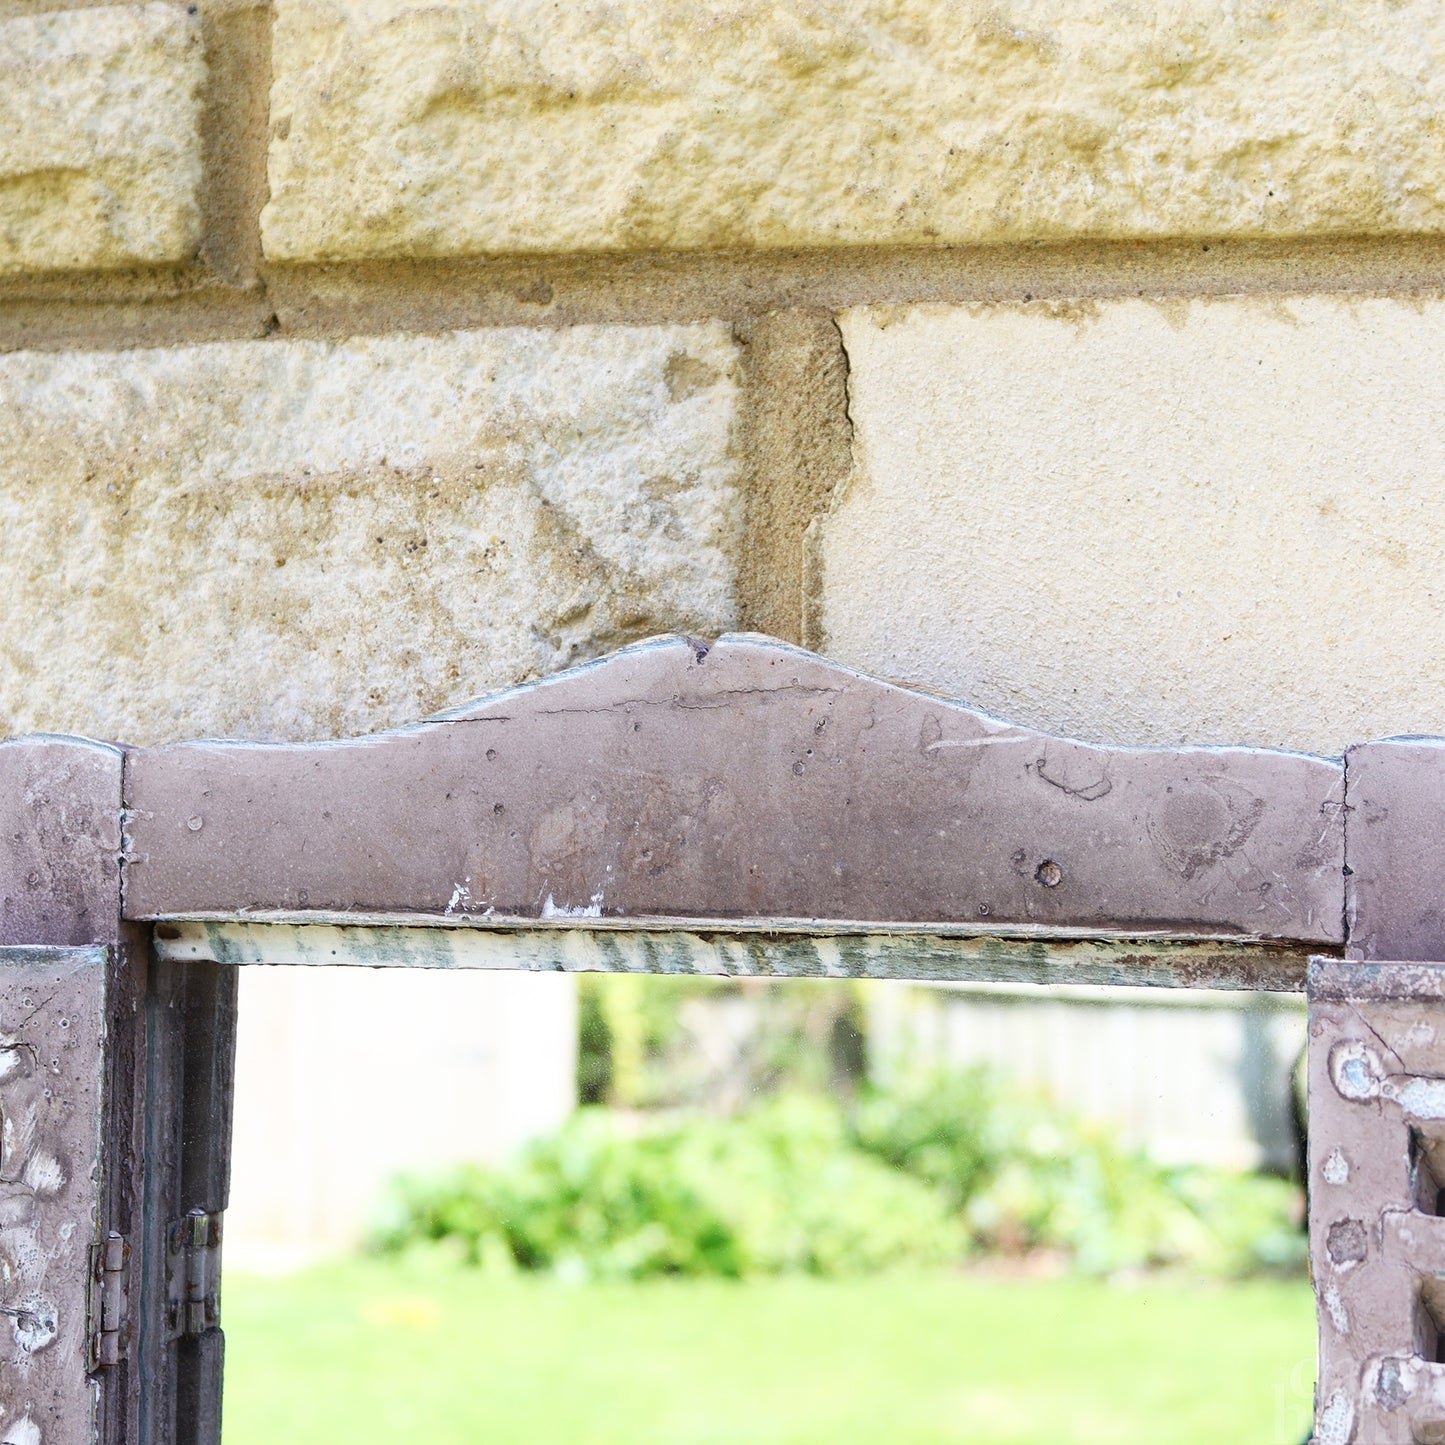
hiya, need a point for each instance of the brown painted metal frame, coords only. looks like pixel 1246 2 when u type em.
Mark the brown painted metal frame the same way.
pixel 733 807
pixel 741 785
pixel 1377 1196
pixel 167 1045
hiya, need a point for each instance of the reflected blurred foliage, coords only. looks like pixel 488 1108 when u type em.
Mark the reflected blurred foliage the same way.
pixel 716 1044
pixel 933 1169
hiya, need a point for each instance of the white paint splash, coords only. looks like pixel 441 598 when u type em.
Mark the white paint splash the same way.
pixel 551 909
pixel 462 901
pixel 1424 1098
pixel 1010 736
pixel 23 1431
pixel 461 898
pixel 1336 1168
pixel 1337 1420
pixel 44 1173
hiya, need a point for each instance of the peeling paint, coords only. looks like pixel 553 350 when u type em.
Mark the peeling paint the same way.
pixel 34 1324
pixel 593 909
pixel 1422 1098
pixel 1355 1070
pixel 584 942
pixel 1337 1421
pixel 463 904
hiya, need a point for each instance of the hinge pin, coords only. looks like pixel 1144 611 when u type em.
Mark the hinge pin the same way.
pixel 110 1290
pixel 193 1274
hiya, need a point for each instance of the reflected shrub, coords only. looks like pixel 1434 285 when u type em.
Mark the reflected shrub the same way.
pixel 777 1190
pixel 927 1173
pixel 1025 1175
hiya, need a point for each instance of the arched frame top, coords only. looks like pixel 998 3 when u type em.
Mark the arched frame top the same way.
pixel 672 805
pixel 716 793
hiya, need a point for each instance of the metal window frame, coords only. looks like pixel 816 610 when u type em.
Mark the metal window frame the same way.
pixel 733 807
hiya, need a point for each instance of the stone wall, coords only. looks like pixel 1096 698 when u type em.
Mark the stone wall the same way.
pixel 359 356
pixel 364 355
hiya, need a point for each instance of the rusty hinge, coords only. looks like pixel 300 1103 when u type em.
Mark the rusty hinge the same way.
pixel 109 1292
pixel 193 1274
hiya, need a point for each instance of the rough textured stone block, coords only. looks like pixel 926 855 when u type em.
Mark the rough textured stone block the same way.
pixel 1202 521
pixel 100 151
pixel 402 127
pixel 305 538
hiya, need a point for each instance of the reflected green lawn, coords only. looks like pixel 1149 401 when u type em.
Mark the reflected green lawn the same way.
pixel 377 1351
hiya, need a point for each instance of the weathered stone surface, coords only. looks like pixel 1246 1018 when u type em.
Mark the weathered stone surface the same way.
pixel 100 151
pixel 303 538
pixel 1203 521
pixel 403 127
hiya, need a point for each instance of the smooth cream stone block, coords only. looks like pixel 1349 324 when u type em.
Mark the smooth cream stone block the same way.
pixel 298 539
pixel 100 145
pixel 408 128
pixel 1209 521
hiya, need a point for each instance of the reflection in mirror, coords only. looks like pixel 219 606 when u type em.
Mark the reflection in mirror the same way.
pixel 681 1211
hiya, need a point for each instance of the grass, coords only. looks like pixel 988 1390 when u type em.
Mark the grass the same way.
pixel 372 1351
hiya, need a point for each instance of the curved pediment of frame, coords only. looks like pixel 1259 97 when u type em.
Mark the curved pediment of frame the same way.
pixel 747 782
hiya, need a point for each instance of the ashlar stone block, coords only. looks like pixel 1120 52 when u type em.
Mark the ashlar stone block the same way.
pixel 100 145
pixel 1184 521
pixel 407 128
pixel 300 539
